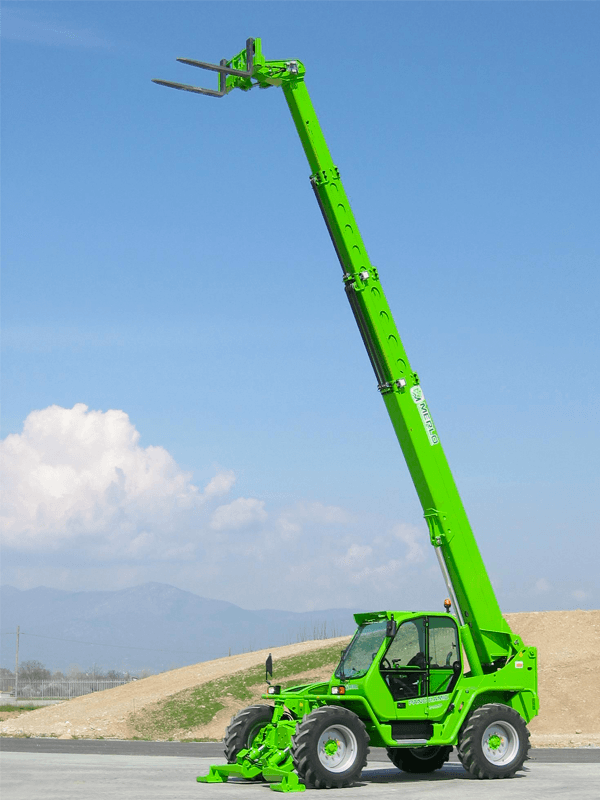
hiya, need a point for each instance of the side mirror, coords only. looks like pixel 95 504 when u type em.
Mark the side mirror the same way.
pixel 391 628
pixel 269 668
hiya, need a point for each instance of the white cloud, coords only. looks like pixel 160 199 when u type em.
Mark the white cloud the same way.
pixel 541 586
pixel 355 555
pixel 220 484
pixel 327 515
pixel 381 572
pixel 360 564
pixel 292 521
pixel 580 594
pixel 76 473
pixel 412 537
pixel 238 514
pixel 385 563
pixel 94 509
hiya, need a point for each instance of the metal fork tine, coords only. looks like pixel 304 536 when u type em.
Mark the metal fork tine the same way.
pixel 186 88
pixel 215 67
pixel 221 68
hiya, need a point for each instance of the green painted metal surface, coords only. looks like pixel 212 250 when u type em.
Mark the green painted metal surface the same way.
pixel 501 669
pixel 269 757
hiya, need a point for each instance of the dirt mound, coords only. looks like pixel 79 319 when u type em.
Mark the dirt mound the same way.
pixel 111 714
pixel 568 644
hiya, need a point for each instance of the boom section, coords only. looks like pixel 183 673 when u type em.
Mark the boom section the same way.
pixel 460 560
pixel 486 635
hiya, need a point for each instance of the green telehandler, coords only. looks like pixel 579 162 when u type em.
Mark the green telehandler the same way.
pixel 416 683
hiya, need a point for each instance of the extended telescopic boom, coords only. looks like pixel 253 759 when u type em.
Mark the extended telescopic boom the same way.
pixel 486 635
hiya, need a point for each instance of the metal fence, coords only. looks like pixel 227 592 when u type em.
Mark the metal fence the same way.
pixel 55 690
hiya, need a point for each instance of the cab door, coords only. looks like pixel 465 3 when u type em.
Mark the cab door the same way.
pixel 404 669
pixel 444 664
pixel 421 667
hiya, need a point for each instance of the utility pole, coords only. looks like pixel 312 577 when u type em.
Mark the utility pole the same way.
pixel 17 665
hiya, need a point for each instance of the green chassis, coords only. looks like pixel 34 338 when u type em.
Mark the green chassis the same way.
pixel 513 684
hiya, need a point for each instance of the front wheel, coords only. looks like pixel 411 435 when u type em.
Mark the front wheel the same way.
pixel 418 759
pixel 493 742
pixel 330 748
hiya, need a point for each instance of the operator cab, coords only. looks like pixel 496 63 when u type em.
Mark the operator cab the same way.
pixel 421 658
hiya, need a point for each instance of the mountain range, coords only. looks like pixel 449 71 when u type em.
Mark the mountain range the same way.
pixel 149 627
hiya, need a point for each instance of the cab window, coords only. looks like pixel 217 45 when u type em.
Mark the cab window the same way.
pixel 444 655
pixel 408 647
pixel 404 666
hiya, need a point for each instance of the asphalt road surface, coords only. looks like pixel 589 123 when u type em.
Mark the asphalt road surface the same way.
pixel 214 750
pixel 50 769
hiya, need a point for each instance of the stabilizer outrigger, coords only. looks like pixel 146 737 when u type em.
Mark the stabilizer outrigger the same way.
pixel 269 757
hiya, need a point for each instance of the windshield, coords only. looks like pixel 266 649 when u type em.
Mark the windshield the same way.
pixel 361 651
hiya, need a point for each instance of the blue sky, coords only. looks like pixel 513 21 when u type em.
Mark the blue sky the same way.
pixel 173 309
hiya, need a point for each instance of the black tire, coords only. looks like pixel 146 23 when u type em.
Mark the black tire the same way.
pixel 330 748
pixel 493 742
pixel 243 728
pixel 419 759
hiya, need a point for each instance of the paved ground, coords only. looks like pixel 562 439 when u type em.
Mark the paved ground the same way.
pixel 37 775
pixel 214 750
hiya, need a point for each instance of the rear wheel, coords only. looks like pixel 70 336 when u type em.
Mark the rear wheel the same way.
pixel 330 748
pixel 418 759
pixel 493 742
pixel 244 727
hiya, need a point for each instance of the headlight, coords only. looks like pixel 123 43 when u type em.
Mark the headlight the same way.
pixel 338 690
pixel 274 690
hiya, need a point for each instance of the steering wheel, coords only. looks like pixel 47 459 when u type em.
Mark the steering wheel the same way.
pixel 386 664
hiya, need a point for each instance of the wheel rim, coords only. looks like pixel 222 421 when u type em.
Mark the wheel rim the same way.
pixel 337 748
pixel 500 743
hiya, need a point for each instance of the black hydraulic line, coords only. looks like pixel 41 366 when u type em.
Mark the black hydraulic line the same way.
pixel 327 225
pixel 376 363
